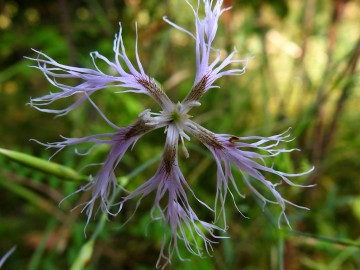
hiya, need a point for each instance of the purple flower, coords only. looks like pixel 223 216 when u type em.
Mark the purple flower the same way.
pixel 248 155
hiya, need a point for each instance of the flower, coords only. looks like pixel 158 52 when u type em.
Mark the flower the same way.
pixel 171 204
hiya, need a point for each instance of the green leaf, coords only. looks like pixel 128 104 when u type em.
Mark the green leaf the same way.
pixel 356 207
pixel 42 165
pixel 331 240
pixel 84 256
pixel 32 197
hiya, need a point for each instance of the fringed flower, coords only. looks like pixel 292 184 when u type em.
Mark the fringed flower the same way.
pixel 248 155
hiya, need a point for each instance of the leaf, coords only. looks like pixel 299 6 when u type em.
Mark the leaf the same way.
pixel 356 207
pixel 326 239
pixel 42 165
pixel 84 256
pixel 32 197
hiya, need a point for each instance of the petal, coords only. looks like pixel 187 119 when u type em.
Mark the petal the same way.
pixel 229 149
pixel 129 78
pixel 171 205
pixel 104 185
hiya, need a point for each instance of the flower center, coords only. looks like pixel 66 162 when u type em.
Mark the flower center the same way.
pixel 178 115
pixel 175 116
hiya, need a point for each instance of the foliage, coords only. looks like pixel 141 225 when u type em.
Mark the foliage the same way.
pixel 304 73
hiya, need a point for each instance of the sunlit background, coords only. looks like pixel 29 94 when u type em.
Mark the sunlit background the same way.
pixel 303 73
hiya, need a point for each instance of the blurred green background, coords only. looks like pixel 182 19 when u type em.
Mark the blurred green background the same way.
pixel 304 73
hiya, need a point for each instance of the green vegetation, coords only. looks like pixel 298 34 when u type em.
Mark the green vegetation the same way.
pixel 304 74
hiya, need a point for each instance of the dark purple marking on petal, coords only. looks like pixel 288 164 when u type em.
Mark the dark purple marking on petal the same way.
pixel 198 90
pixel 154 90
pixel 169 157
pixel 207 137
pixel 138 128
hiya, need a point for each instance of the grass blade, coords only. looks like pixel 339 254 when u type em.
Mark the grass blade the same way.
pixel 42 165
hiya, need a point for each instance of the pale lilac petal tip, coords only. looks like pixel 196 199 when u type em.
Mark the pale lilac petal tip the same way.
pixel 6 256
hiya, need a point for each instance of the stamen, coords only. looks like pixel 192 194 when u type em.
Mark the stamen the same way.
pixel 183 147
